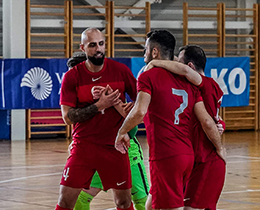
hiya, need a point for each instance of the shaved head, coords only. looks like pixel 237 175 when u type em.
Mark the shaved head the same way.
pixel 85 33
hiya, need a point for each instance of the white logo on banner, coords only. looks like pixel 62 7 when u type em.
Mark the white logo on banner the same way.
pixel 234 73
pixel 39 81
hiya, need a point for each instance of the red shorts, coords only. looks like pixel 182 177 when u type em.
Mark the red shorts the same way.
pixel 168 177
pixel 112 166
pixel 205 184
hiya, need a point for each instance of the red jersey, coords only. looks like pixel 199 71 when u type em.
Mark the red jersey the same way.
pixel 76 92
pixel 168 117
pixel 212 96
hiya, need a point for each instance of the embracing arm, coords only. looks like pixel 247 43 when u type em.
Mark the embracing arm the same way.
pixel 133 118
pixel 177 68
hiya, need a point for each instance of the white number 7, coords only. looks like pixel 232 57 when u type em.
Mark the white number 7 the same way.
pixel 183 105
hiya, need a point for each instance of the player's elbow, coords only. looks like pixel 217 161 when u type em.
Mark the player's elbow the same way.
pixel 140 114
pixel 207 124
pixel 66 120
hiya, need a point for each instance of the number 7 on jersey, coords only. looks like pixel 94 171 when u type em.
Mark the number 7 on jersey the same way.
pixel 183 105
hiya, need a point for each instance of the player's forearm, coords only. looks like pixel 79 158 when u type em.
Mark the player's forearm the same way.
pixel 120 109
pixel 82 114
pixel 133 119
pixel 212 133
pixel 137 114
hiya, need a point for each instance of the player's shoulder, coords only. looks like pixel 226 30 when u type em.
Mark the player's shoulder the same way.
pixel 211 81
pixel 211 85
pixel 155 71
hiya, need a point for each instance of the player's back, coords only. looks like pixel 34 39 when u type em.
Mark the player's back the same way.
pixel 212 95
pixel 169 113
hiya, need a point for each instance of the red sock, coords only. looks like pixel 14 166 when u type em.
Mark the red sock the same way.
pixel 60 208
pixel 130 208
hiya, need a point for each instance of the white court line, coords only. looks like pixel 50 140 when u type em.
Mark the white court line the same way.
pixel 243 161
pixel 39 166
pixel 241 191
pixel 247 157
pixel 28 177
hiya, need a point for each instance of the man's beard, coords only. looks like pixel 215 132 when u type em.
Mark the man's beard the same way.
pixel 97 61
pixel 149 57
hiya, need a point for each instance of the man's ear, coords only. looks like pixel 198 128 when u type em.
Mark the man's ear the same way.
pixel 191 65
pixel 155 53
pixel 81 47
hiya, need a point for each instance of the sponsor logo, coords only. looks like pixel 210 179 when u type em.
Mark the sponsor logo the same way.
pixel 120 183
pixel 39 81
pixel 134 193
pixel 96 79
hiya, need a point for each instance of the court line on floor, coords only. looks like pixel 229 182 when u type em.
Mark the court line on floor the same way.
pixel 28 177
pixel 38 166
pixel 243 161
pixel 241 156
pixel 240 202
pixel 240 191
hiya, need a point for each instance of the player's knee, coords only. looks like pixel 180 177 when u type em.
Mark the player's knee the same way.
pixel 65 204
pixel 123 203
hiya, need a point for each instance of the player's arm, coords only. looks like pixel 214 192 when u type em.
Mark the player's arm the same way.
pixel 176 68
pixel 210 128
pixel 133 118
pixel 72 115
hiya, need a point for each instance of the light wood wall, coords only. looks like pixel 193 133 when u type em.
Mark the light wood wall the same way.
pixel 219 42
pixel 224 42
pixel 52 44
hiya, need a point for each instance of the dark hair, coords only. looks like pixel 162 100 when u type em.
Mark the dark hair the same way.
pixel 76 58
pixel 164 40
pixel 196 55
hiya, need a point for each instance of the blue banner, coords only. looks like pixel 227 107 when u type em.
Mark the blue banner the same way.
pixel 32 83
pixel 35 83
pixel 232 74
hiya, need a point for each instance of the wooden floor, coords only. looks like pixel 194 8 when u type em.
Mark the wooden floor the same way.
pixel 30 173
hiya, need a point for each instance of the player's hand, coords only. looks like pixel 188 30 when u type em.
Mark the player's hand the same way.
pixel 122 142
pixel 220 128
pixel 107 100
pixel 222 152
pixel 127 107
pixel 109 90
pixel 96 91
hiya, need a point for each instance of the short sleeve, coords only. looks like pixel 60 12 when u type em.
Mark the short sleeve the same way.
pixel 198 96
pixel 68 94
pixel 144 83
